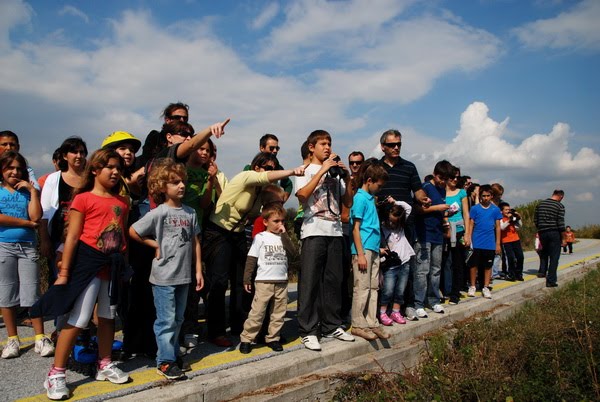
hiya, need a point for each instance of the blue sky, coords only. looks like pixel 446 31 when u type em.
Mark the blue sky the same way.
pixel 508 90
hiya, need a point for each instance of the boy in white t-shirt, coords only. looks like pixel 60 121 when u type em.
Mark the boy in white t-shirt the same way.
pixel 321 191
pixel 269 252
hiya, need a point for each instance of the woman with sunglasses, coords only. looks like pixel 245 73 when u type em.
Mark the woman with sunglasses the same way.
pixel 460 236
pixel 224 244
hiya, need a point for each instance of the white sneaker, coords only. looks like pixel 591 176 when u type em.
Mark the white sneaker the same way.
pixel 411 314
pixel 341 335
pixel 471 292
pixel 190 340
pixel 486 293
pixel 311 342
pixel 11 349
pixel 421 313
pixel 112 373
pixel 438 309
pixel 44 347
pixel 56 387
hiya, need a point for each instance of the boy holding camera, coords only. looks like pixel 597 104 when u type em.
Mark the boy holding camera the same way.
pixel 511 243
pixel 325 184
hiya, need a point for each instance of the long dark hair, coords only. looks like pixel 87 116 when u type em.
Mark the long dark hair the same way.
pixel 99 160
pixel 8 157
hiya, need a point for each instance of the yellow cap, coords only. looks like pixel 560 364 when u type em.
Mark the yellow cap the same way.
pixel 119 137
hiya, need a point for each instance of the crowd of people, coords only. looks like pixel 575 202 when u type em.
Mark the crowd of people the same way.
pixel 145 237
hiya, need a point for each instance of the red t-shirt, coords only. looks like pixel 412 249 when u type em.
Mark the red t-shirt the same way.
pixel 259 226
pixel 104 223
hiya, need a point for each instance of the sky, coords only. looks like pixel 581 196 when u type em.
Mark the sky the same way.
pixel 508 90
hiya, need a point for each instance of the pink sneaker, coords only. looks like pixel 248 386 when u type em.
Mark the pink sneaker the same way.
pixel 385 320
pixel 397 317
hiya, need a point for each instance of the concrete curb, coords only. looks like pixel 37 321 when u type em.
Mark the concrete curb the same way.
pixel 302 374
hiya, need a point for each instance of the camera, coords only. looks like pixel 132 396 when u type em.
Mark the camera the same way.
pixel 391 259
pixel 514 216
pixel 336 171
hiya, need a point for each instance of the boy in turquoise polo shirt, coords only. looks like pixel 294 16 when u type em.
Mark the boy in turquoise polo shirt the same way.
pixel 366 238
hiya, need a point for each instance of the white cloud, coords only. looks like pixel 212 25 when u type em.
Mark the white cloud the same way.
pixel 265 16
pixel 584 197
pixel 578 28
pixel 75 12
pixel 14 13
pixel 322 26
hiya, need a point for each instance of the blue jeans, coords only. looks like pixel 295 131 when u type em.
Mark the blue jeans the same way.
pixel 427 275
pixel 550 254
pixel 169 302
pixel 394 284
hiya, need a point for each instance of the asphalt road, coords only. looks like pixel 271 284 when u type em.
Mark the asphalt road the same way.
pixel 23 377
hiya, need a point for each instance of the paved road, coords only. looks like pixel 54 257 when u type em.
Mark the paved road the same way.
pixel 22 378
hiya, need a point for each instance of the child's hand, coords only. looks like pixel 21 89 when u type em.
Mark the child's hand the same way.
pixel 213 169
pixel 328 163
pixel 362 262
pixel 199 281
pixel 383 251
pixel 61 280
pixel 24 185
pixel 218 129
pixel 157 253
pixel 248 288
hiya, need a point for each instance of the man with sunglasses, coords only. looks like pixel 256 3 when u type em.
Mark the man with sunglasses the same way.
pixel 403 184
pixel 269 144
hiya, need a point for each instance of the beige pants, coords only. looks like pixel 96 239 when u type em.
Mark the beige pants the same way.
pixel 366 285
pixel 263 293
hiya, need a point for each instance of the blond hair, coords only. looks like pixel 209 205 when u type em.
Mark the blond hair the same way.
pixel 162 172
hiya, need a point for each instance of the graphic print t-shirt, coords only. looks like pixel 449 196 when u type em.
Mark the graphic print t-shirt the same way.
pixel 104 225
pixel 174 229
pixel 322 210
pixel 15 204
pixel 272 260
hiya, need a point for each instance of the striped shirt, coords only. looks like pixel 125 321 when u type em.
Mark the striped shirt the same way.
pixel 403 181
pixel 549 215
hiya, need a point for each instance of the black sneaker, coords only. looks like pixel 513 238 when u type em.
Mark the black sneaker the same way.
pixel 520 278
pixel 183 365
pixel 454 300
pixel 275 345
pixel 245 347
pixel 170 371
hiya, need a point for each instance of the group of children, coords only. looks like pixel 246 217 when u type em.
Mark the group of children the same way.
pixel 94 254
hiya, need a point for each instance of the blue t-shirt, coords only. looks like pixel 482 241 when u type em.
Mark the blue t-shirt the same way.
pixel 457 199
pixel 484 231
pixel 429 225
pixel 364 208
pixel 15 205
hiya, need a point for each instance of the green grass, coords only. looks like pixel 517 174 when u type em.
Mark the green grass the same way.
pixel 548 351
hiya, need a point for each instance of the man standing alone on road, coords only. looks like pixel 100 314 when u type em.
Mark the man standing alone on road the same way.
pixel 549 220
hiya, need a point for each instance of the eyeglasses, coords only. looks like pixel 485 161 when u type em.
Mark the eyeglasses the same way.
pixel 274 148
pixel 355 162
pixel 268 168
pixel 455 178
pixel 184 134
pixel 178 117
pixel 393 144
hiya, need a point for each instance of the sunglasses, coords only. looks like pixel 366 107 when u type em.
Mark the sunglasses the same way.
pixel 356 162
pixel 268 168
pixel 393 144
pixel 274 148
pixel 184 134
pixel 179 117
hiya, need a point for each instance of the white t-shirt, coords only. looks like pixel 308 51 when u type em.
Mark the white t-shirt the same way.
pixel 272 260
pixel 321 210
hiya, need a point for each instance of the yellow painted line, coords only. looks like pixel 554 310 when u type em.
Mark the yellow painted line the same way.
pixel 95 388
